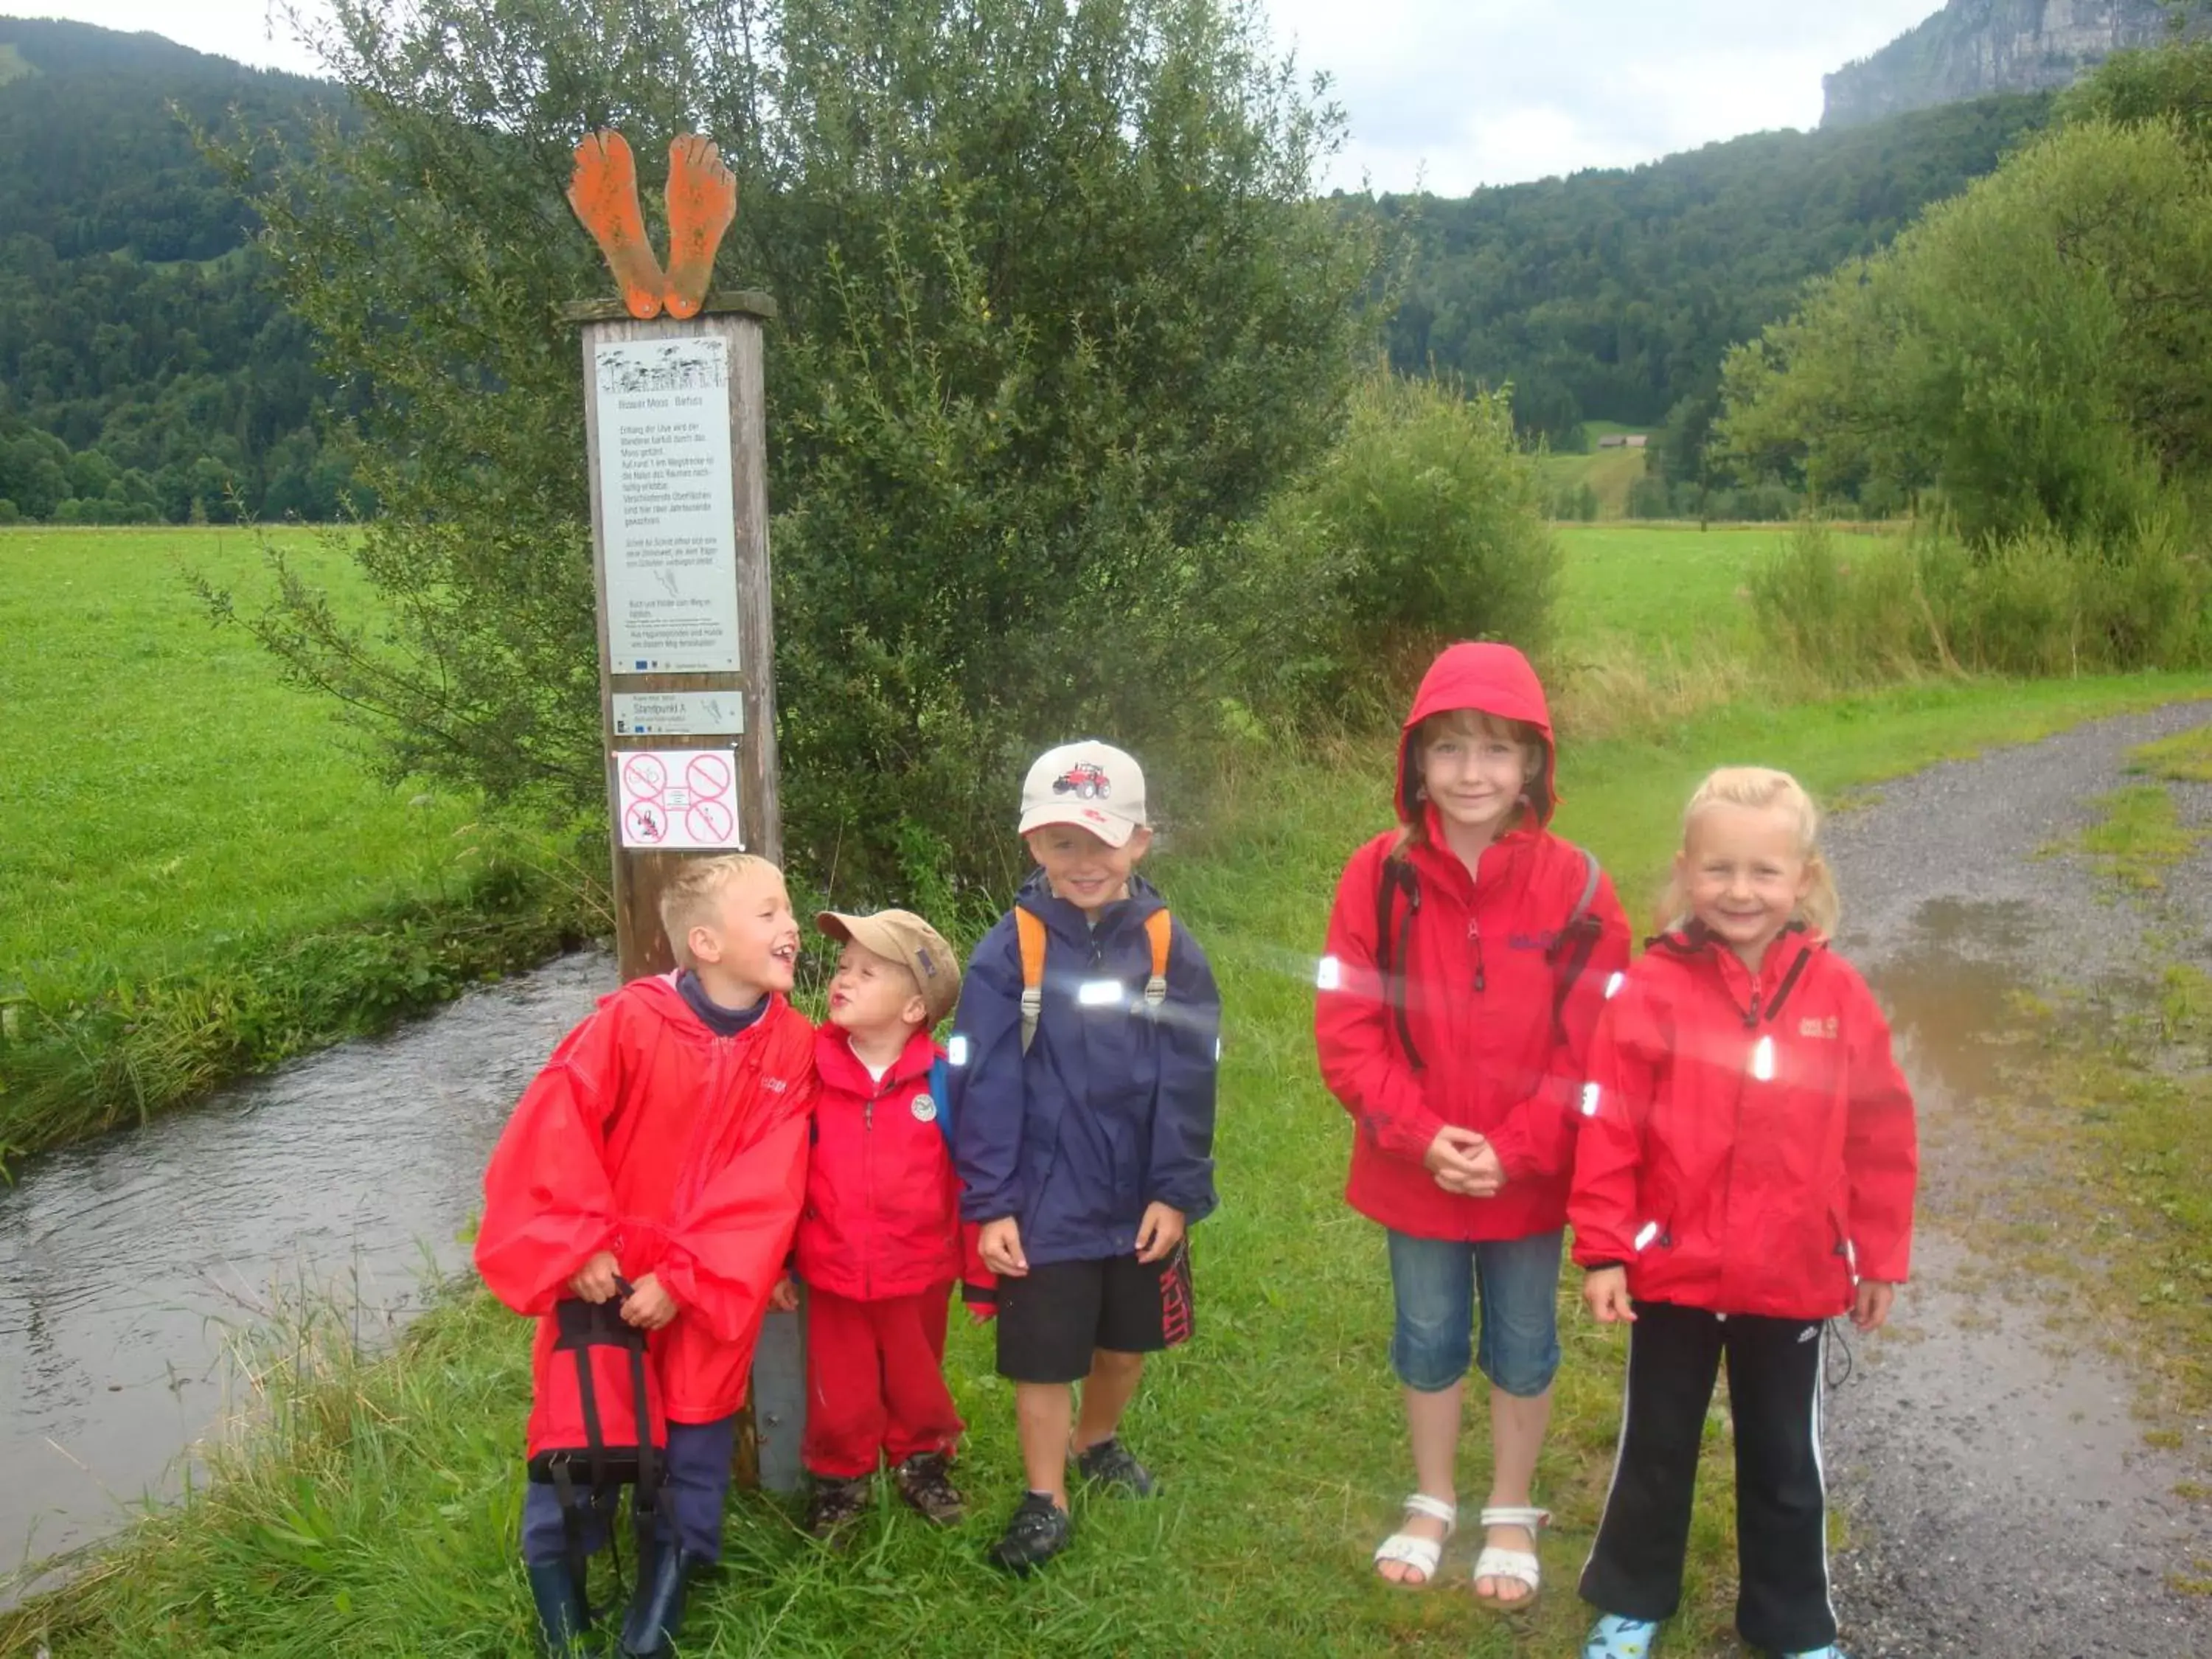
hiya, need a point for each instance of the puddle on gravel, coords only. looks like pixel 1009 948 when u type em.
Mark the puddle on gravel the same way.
pixel 1949 988
pixel 126 1264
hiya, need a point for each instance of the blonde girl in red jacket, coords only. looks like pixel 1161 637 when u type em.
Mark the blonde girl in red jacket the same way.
pixel 1468 953
pixel 1745 1173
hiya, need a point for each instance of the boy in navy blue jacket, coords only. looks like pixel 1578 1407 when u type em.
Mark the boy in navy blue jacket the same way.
pixel 1083 1066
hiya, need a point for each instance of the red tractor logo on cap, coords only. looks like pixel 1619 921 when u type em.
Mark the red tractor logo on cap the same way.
pixel 1085 779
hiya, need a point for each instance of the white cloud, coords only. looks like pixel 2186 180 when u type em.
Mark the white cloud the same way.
pixel 1459 93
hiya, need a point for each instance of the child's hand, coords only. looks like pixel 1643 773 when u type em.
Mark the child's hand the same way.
pixel 1870 1310
pixel 1485 1178
pixel 595 1280
pixel 1450 1157
pixel 1605 1293
pixel 649 1307
pixel 1159 1232
pixel 784 1299
pixel 1000 1244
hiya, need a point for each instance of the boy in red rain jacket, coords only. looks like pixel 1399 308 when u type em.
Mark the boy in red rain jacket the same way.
pixel 1469 951
pixel 1745 1174
pixel 663 1148
pixel 879 1242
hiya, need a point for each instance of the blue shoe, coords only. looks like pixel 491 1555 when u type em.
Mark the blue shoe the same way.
pixel 1831 1651
pixel 1616 1637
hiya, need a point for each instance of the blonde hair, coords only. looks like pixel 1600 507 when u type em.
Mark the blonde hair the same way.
pixel 1759 787
pixel 689 900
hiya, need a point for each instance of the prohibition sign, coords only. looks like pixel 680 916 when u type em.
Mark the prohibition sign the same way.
pixel 709 822
pixel 646 824
pixel 707 775
pixel 645 777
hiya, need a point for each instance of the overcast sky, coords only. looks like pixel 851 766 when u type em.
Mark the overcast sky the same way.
pixel 1450 94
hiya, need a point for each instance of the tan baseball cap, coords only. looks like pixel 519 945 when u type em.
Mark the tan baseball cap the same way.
pixel 903 937
pixel 1091 785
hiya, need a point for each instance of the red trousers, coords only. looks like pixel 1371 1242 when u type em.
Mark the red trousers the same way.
pixel 875 1382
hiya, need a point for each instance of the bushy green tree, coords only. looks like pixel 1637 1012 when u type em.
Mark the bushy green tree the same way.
pixel 2039 349
pixel 1057 308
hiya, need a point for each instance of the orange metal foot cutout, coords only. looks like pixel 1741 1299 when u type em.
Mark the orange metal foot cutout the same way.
pixel 604 192
pixel 703 200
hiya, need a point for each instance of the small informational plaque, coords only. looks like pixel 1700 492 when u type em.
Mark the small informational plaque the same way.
pixel 679 713
pixel 664 497
pixel 677 799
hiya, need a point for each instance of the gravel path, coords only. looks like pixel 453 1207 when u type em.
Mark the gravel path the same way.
pixel 2001 1503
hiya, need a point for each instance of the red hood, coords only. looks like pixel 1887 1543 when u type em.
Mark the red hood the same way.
pixel 1496 679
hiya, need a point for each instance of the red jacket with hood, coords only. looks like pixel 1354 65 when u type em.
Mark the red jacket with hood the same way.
pixel 1748 1142
pixel 883 1204
pixel 1499 1005
pixel 683 1153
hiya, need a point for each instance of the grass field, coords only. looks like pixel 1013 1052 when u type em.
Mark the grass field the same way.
pixel 197 876
pixel 165 794
pixel 376 1512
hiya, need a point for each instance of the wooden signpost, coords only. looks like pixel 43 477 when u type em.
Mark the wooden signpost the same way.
pixel 676 446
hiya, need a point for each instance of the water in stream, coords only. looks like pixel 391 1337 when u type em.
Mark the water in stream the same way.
pixel 124 1264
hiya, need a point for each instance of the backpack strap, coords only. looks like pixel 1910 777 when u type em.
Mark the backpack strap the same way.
pixel 1159 932
pixel 1398 875
pixel 1029 933
pixel 1571 951
pixel 940 1090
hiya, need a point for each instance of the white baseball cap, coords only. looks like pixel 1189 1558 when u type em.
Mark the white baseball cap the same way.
pixel 1091 785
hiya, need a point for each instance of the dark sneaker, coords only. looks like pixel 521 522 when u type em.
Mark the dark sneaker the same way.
pixel 924 1482
pixel 1108 1464
pixel 1040 1530
pixel 836 1505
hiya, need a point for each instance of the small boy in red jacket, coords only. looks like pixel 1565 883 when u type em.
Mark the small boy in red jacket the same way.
pixel 658 1160
pixel 879 1241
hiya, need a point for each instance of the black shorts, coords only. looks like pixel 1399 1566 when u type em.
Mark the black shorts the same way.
pixel 1052 1317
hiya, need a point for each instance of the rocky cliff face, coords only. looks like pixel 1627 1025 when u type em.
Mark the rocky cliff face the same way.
pixel 1974 47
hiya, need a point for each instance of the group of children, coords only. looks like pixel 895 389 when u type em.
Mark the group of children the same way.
pixel 1720 1121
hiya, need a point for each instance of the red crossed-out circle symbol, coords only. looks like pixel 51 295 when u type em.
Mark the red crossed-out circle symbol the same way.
pixel 709 775
pixel 644 824
pixel 644 777
pixel 709 822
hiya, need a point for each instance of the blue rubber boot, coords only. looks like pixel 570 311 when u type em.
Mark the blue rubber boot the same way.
pixel 563 1619
pixel 656 1611
pixel 1616 1637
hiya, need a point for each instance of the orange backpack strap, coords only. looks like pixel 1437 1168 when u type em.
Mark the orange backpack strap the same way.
pixel 1159 929
pixel 1029 931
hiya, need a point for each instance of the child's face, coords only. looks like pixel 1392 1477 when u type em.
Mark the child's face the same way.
pixel 753 938
pixel 1475 777
pixel 869 993
pixel 1745 872
pixel 1083 869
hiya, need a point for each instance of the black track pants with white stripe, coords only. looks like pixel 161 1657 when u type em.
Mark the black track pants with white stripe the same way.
pixel 1774 1392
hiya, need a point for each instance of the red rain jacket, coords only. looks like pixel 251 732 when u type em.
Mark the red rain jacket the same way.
pixel 1747 1146
pixel 683 1153
pixel 883 1204
pixel 1483 978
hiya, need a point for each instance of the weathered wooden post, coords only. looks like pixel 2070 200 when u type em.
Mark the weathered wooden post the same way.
pixel 676 447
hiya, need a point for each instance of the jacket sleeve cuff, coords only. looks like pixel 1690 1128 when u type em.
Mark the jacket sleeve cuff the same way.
pixel 1407 1136
pixel 1600 1267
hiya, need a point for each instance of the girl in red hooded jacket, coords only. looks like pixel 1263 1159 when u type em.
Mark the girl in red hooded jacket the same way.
pixel 1745 1173
pixel 1468 953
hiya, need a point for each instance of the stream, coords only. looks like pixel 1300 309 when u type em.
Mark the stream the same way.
pixel 129 1266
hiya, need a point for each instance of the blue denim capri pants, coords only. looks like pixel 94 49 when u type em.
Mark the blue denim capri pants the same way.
pixel 1441 1286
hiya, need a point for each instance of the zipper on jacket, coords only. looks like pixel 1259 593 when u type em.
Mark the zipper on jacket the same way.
pixel 1474 938
pixel 1751 1017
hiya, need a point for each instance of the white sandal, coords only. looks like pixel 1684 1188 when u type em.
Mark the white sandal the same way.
pixel 1422 1554
pixel 1522 1566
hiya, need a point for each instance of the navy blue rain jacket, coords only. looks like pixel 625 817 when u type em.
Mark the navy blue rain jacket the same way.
pixel 1112 1108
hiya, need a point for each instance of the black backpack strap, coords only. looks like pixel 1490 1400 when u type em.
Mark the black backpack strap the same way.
pixel 1571 950
pixel 1397 872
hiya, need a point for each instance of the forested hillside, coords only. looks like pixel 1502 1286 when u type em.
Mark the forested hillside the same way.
pixel 1614 296
pixel 146 371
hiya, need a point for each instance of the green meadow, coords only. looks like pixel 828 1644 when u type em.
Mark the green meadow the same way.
pixel 198 877
pixel 372 1510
